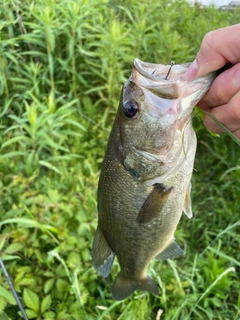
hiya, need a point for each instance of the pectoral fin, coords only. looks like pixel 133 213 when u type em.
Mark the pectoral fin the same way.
pixel 187 203
pixel 102 255
pixel 173 250
pixel 153 204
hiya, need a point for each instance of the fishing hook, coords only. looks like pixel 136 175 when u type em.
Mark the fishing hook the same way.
pixel 172 63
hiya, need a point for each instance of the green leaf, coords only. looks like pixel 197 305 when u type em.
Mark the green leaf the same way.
pixel 3 303
pixel 66 157
pixel 14 247
pixel 26 282
pixel 49 315
pixel 217 302
pixel 4 316
pixel 30 223
pixel 64 315
pixel 10 257
pixel 46 303
pixel 2 242
pixel 5 108
pixel 49 166
pixel 32 115
pixel 7 295
pixel 11 155
pixel 31 299
pixel 62 285
pixel 74 260
pixel 76 124
pixel 49 142
pixel 48 285
pixel 31 313
pixel 49 274
pixel 21 138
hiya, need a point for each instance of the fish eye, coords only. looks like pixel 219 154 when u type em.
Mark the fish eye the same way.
pixel 130 108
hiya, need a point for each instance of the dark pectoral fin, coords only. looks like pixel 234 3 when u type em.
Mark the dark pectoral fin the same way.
pixel 102 255
pixel 173 250
pixel 153 204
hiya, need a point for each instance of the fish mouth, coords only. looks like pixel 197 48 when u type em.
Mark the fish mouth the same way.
pixel 167 82
pixel 160 72
pixel 152 77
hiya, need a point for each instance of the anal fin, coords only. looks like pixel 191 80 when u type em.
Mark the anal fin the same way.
pixel 102 255
pixel 173 250
pixel 153 204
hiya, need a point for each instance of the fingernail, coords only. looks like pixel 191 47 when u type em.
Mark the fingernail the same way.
pixel 192 71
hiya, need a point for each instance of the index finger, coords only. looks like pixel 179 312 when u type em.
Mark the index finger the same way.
pixel 218 48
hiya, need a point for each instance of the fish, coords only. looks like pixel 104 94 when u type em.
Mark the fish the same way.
pixel 145 181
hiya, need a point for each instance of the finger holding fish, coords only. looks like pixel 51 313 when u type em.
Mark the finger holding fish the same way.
pixel 227 114
pixel 220 48
pixel 223 88
pixel 222 101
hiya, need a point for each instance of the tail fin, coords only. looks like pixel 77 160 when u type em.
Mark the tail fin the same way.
pixel 125 286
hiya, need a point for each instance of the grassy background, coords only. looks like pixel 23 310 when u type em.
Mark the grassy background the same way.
pixel 62 66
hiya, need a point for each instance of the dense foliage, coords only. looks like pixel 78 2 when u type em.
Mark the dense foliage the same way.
pixel 62 65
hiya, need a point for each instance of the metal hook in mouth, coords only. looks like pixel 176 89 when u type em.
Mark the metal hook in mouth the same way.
pixel 172 63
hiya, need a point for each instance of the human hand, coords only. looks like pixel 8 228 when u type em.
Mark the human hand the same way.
pixel 220 48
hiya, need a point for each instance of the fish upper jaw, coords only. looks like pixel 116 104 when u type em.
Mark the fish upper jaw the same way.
pixel 158 72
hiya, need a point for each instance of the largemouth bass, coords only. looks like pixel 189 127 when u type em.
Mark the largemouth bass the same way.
pixel 144 184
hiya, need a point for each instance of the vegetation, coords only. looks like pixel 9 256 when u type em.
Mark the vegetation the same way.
pixel 62 65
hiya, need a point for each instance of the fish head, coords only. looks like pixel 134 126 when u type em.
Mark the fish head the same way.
pixel 154 106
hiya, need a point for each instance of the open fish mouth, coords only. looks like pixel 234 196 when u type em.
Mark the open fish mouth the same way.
pixel 160 72
pixel 167 83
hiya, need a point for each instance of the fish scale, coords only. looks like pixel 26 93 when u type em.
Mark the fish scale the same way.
pixel 144 184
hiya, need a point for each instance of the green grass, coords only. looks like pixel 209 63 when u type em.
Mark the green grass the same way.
pixel 62 66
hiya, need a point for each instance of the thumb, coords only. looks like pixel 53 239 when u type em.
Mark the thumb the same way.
pixel 218 48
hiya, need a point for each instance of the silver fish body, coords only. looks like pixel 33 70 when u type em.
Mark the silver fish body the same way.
pixel 144 184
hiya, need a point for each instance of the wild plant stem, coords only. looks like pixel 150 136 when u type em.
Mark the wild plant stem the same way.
pixel 22 26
